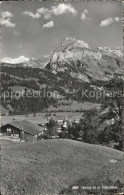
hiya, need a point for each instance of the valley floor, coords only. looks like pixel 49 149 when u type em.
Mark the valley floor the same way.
pixel 42 118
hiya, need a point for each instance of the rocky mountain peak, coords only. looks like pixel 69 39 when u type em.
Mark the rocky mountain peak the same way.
pixel 69 38
pixel 77 58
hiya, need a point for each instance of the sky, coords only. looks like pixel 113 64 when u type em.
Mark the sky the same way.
pixel 34 29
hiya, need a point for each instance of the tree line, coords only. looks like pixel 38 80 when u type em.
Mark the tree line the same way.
pixel 102 126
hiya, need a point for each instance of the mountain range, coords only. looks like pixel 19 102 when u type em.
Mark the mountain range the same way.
pixel 77 59
pixel 71 68
pixel 25 62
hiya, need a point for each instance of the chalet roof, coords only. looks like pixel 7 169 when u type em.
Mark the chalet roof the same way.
pixel 26 126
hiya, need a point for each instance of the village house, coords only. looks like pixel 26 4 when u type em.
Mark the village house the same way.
pixel 20 130
pixel 62 124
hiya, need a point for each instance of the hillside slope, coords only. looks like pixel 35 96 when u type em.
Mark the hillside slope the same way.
pixel 49 166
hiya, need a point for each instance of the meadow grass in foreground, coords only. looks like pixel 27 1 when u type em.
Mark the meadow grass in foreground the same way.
pixel 49 166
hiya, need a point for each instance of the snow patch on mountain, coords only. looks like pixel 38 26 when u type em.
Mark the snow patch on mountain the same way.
pixel 18 60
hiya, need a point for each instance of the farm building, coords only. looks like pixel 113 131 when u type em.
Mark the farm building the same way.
pixel 20 130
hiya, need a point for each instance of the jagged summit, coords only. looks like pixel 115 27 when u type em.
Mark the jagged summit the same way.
pixel 70 42
pixel 68 38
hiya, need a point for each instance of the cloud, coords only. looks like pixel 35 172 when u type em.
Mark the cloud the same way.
pixel 109 21
pixel 5 19
pixel 7 23
pixel 54 10
pixel 7 14
pixel 45 12
pixel 48 25
pixel 117 19
pixel 106 22
pixel 35 16
pixel 62 9
pixel 84 15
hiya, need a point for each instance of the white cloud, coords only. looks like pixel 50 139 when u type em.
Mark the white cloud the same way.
pixel 106 22
pixel 5 19
pixel 48 25
pixel 54 10
pixel 62 9
pixel 117 19
pixel 7 23
pixel 84 15
pixel 109 21
pixel 35 16
pixel 45 12
pixel 7 14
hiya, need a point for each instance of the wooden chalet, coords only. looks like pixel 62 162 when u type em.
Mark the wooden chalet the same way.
pixel 21 130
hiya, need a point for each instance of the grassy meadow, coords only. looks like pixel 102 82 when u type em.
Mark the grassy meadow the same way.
pixel 42 118
pixel 49 166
